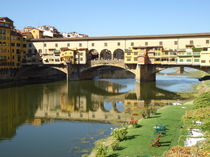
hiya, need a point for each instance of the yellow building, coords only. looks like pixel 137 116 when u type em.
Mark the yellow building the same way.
pixel 67 55
pixel 132 55
pixel 18 49
pixel 168 57
pixel 36 33
pixel 143 55
pixel 5 54
pixel 12 45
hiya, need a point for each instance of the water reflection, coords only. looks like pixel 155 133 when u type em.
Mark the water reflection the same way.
pixel 95 101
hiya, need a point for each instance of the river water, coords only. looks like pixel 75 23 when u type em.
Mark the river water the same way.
pixel 65 118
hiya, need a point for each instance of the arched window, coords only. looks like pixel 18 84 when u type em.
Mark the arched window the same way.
pixel 106 54
pixel 118 54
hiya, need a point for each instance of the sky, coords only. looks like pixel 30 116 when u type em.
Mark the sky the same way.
pixel 111 17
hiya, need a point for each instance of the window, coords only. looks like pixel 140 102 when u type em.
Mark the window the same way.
pixel 146 43
pixel 191 42
pixel 180 60
pixel 29 45
pixel 160 43
pixel 135 53
pixel 135 59
pixel 141 59
pixel 189 60
pixel 118 44
pixel 203 61
pixel 207 41
pixel 56 45
pixel 45 45
pixel 175 42
pixel 92 44
pixel 68 44
pixel 105 44
pixel 196 60
pixel 80 44
pixel 132 43
pixel 128 59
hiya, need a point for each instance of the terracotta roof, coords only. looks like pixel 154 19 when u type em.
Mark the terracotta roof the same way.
pixel 194 35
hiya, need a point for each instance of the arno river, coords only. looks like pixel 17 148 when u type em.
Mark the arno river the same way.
pixel 65 118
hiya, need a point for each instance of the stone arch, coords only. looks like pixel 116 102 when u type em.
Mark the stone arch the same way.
pixel 119 107
pixel 93 54
pixel 94 106
pixel 106 54
pixel 106 106
pixel 118 54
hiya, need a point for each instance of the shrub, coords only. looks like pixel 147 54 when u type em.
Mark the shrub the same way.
pixel 201 114
pixel 203 100
pixel 206 126
pixel 115 145
pixel 120 133
pixel 178 151
pixel 101 151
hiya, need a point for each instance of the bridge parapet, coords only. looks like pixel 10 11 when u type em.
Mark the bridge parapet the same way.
pixel 107 62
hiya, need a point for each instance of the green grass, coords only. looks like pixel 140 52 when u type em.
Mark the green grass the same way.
pixel 138 142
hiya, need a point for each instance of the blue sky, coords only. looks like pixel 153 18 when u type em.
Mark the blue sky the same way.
pixel 112 17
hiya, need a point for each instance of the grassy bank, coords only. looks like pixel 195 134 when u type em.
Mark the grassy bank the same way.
pixel 139 139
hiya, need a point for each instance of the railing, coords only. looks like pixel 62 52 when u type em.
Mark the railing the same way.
pixel 104 62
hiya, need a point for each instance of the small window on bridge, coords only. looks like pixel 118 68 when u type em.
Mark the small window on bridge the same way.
pixel 68 44
pixel 80 44
pixel 105 44
pixel 191 42
pixel 93 44
pixel 56 45
pixel 146 43
pixel 160 43
pixel 207 41
pixel 118 44
pixel 175 42
pixel 132 43
pixel 45 45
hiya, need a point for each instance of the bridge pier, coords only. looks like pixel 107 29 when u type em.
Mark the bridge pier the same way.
pixel 72 72
pixel 145 73
pixel 180 70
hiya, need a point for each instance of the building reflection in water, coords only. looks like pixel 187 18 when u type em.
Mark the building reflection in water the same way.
pixel 101 101
pixel 94 101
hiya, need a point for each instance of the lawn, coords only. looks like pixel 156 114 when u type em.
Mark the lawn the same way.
pixel 138 141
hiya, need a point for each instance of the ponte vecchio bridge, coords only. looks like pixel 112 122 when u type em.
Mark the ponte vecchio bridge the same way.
pixel 143 56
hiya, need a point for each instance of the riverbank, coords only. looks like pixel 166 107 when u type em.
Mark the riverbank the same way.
pixel 138 141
